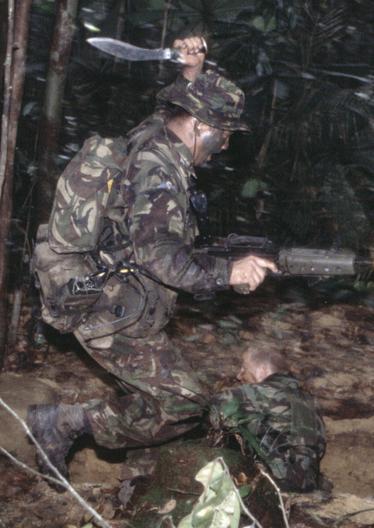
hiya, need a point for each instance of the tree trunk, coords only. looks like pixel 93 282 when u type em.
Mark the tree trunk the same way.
pixel 120 26
pixel 121 19
pixel 51 119
pixel 14 74
pixel 3 35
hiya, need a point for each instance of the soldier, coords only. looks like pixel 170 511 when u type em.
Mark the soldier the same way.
pixel 277 421
pixel 149 222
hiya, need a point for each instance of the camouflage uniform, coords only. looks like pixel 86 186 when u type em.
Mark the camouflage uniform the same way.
pixel 148 221
pixel 279 424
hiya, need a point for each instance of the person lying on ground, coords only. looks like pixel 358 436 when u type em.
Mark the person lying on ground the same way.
pixel 278 423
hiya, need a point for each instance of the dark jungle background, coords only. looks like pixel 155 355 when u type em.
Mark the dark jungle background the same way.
pixel 304 175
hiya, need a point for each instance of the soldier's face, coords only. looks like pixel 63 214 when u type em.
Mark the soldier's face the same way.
pixel 210 141
pixel 246 372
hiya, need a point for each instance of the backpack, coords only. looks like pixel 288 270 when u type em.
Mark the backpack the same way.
pixel 63 259
pixel 82 194
pixel 76 278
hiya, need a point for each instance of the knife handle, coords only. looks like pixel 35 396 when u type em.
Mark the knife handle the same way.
pixel 175 54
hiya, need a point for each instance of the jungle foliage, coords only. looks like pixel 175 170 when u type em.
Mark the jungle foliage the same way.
pixel 305 172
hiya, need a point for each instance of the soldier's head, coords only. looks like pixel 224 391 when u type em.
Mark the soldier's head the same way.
pixel 259 362
pixel 213 106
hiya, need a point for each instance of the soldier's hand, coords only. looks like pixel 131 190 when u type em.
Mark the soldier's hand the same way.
pixel 249 272
pixel 193 50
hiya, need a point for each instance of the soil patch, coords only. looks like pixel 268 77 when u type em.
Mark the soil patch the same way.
pixel 329 345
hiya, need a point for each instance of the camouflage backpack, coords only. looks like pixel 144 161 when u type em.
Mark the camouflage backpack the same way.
pixel 63 261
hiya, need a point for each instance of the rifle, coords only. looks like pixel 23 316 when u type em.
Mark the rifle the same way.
pixel 290 261
pixel 300 261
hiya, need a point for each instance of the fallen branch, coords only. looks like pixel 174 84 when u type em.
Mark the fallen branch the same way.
pixel 60 480
pixel 281 503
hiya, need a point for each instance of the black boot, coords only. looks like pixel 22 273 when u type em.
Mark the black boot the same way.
pixel 56 427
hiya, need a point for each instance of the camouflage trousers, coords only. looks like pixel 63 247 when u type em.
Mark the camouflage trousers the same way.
pixel 162 396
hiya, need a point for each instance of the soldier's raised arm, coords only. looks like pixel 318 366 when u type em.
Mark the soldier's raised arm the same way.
pixel 193 51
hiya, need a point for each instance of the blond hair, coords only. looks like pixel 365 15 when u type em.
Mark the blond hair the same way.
pixel 267 354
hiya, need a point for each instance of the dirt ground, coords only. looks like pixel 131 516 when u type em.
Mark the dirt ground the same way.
pixel 327 335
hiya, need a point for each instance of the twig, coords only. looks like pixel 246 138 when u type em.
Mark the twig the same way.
pixel 15 316
pixel 61 480
pixel 168 5
pixel 26 467
pixel 265 145
pixel 18 294
pixel 281 503
pixel 352 514
pixel 183 492
pixel 244 508
pixel 246 511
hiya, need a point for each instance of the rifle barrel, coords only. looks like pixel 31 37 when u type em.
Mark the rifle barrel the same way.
pixel 293 261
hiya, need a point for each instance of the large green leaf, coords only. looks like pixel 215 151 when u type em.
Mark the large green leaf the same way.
pixel 219 504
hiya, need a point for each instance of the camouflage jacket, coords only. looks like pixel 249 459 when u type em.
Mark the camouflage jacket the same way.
pixel 128 199
pixel 271 417
pixel 158 220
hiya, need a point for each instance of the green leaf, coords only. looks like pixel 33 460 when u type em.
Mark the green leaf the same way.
pixel 245 490
pixel 252 187
pixel 264 24
pixel 258 22
pixel 219 505
pixel 230 408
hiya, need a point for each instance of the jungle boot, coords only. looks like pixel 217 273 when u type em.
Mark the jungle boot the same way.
pixel 56 427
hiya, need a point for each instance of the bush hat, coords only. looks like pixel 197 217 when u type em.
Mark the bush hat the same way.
pixel 211 98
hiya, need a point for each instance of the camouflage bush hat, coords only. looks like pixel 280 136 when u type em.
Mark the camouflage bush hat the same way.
pixel 211 98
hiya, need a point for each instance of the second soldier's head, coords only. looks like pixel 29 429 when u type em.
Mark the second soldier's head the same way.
pixel 259 362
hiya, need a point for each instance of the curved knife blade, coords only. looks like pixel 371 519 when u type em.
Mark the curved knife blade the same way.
pixel 124 50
